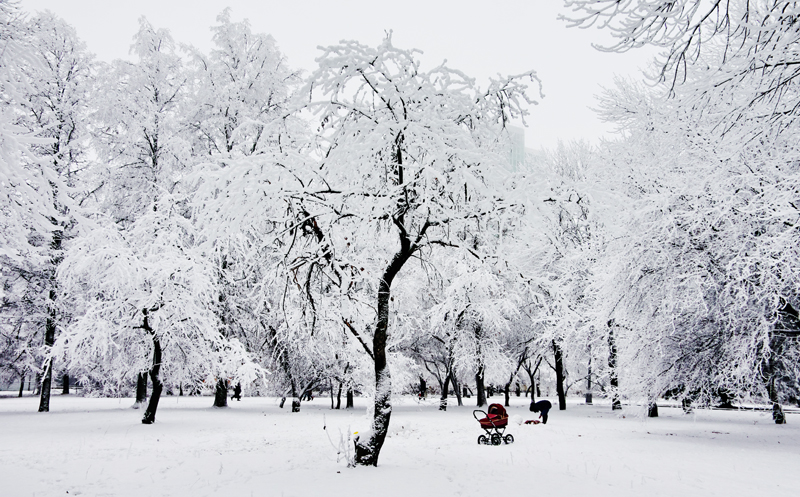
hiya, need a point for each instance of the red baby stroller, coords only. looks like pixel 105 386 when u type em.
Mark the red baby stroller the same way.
pixel 494 424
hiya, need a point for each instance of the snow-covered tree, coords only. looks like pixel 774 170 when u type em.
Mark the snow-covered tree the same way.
pixel 51 106
pixel 147 300
pixel 405 162
pixel 241 86
pixel 141 125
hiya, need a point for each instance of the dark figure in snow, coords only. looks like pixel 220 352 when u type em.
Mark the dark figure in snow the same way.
pixel 542 407
pixel 777 414
pixel 423 388
pixel 237 392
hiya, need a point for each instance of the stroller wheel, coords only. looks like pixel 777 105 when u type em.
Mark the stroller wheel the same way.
pixel 496 439
pixel 509 439
pixel 482 440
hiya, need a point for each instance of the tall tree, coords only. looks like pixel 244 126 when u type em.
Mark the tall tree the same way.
pixel 52 107
pixel 405 161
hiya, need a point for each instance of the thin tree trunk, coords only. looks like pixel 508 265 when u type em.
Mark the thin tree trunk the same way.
pixel 155 378
pixel 589 379
pixel 532 376
pixel 21 385
pixel 221 393
pixel 456 387
pixel 49 339
pixel 50 325
pixel 559 365
pixel 479 388
pixel 612 368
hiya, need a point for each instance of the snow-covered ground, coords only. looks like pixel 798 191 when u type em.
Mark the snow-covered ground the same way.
pixel 95 447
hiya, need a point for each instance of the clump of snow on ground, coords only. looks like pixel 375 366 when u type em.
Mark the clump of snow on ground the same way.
pixel 89 446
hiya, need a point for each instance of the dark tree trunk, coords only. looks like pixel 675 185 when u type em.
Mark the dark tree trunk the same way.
pixel 49 339
pixel 456 387
pixel 445 389
pixel 349 398
pixel 221 393
pixel 612 368
pixel 367 451
pixel 507 394
pixel 652 410
pixel 155 378
pixel 141 389
pixel 339 397
pixel 50 325
pixel 559 365
pixel 532 376
pixel 65 384
pixel 480 390
pixel 589 380
pixel 21 385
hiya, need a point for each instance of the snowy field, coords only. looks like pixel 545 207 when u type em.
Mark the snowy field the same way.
pixel 98 447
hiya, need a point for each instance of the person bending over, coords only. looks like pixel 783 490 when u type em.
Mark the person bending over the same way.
pixel 542 407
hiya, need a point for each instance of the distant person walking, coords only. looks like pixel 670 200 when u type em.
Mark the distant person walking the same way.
pixel 542 407
pixel 237 392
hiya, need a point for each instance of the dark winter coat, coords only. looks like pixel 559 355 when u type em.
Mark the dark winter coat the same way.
pixel 542 405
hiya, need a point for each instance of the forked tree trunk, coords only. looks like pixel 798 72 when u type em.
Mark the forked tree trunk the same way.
pixel 150 413
pixel 532 376
pixel 559 366
pixel 221 393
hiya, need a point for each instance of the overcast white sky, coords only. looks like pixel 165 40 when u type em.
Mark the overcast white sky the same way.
pixel 480 38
